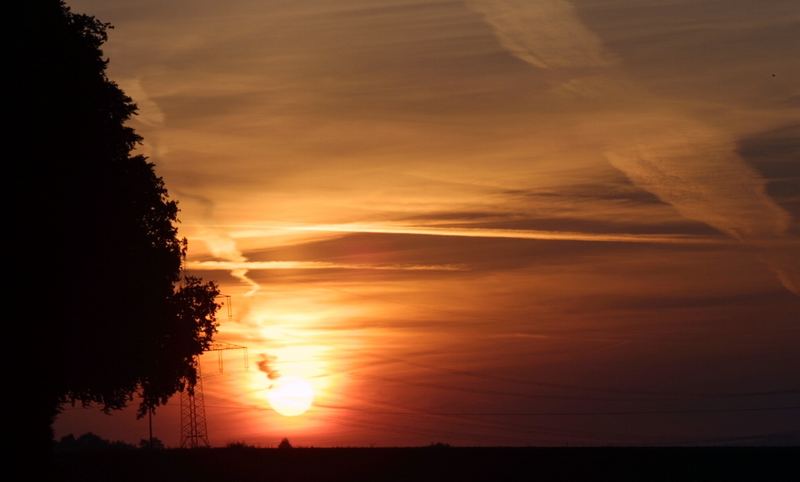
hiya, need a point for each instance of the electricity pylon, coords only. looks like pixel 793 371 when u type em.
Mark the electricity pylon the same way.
pixel 194 427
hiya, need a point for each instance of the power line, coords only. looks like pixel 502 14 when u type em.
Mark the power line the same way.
pixel 590 413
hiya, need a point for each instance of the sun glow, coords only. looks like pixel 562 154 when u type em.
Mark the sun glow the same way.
pixel 290 337
pixel 290 396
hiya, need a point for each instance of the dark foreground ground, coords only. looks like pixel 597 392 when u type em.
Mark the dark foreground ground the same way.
pixel 433 464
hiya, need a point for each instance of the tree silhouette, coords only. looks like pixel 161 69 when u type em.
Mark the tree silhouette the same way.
pixel 111 316
pixel 154 444
pixel 91 442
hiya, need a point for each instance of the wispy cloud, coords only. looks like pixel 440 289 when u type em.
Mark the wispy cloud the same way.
pixel 234 266
pixel 223 246
pixel 549 25
pixel 149 112
pixel 257 232
pixel 695 168
pixel 266 364
pixel 485 188
pixel 686 163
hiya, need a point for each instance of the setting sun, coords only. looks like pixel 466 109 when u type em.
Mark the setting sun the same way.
pixel 476 224
pixel 290 396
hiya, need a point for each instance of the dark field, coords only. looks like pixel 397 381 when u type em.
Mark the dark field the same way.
pixel 433 464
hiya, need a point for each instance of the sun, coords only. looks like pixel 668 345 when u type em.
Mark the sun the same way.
pixel 290 396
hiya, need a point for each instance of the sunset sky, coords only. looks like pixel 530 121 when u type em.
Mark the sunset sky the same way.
pixel 481 222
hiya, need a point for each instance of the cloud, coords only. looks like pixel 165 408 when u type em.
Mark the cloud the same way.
pixel 599 226
pixel 543 33
pixel 697 170
pixel 223 246
pixel 775 153
pixel 149 113
pixel 686 163
pixel 484 233
pixel 234 266
pixel 219 243
pixel 264 364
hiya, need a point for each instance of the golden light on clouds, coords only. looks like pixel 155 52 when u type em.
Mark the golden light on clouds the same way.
pixel 442 214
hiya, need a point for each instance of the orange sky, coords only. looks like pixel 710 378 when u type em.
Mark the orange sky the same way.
pixel 482 222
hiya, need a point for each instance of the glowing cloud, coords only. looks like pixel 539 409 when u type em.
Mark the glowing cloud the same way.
pixel 686 163
pixel 484 233
pixel 265 365
pixel 551 26
pixel 696 170
pixel 223 246
pixel 273 265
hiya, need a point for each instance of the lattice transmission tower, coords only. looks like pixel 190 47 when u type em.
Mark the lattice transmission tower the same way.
pixel 194 425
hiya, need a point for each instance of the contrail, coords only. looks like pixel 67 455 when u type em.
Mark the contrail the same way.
pixel 219 243
pixel 551 26
pixel 697 170
pixel 223 246
pixel 486 233
pixel 685 163
pixel 289 265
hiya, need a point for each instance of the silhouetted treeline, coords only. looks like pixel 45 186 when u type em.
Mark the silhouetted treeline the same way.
pixel 91 441
pixel 426 464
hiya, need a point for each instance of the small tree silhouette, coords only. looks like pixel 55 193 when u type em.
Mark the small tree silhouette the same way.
pixel 285 444
pixel 90 442
pixel 155 444
pixel 239 445
pixel 439 445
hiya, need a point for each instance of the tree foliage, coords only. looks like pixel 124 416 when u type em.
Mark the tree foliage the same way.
pixel 114 318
